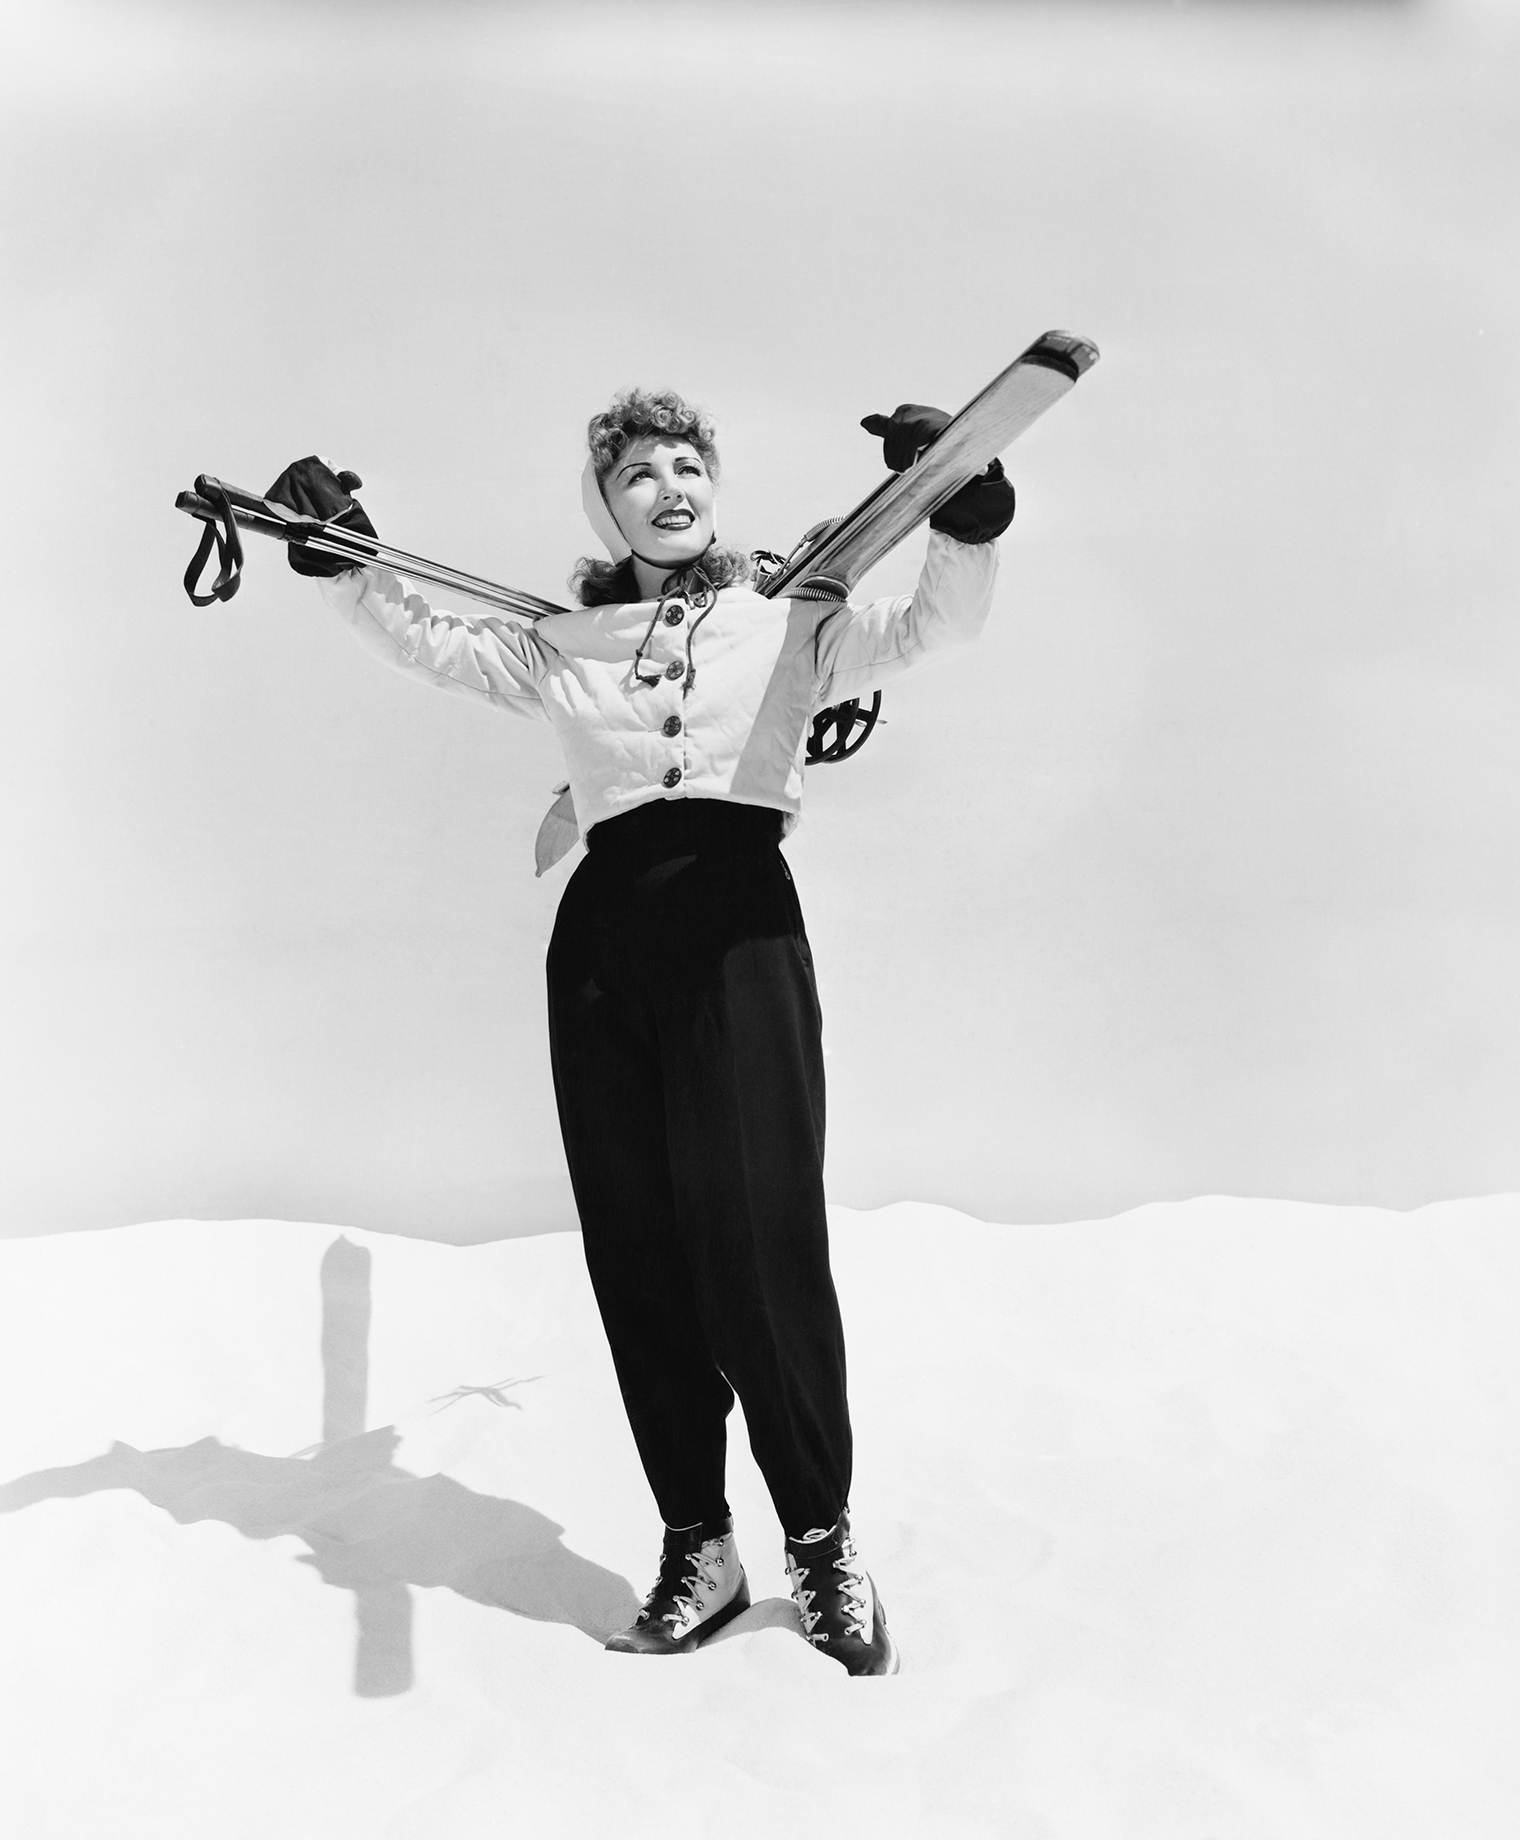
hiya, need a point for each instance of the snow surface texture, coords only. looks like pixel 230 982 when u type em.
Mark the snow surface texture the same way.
pixel 1196 1524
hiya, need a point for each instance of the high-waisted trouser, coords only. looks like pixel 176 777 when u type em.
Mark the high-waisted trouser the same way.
pixel 686 1041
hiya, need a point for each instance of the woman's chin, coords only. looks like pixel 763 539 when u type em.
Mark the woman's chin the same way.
pixel 675 546
pixel 677 555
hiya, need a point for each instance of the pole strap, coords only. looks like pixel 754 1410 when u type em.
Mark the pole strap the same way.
pixel 229 551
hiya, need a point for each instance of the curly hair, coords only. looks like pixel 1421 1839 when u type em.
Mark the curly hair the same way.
pixel 636 415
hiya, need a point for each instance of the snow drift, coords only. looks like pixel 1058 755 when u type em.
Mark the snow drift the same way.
pixel 1195 1522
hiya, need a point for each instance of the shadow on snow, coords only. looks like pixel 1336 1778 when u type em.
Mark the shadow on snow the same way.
pixel 373 1528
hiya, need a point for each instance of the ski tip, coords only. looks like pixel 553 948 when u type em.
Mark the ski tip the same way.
pixel 1063 351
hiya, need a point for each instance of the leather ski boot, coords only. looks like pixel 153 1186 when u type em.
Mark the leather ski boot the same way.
pixel 701 1587
pixel 841 1614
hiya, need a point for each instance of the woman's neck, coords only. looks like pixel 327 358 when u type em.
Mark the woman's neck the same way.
pixel 650 576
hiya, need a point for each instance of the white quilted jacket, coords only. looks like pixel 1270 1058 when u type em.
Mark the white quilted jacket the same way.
pixel 655 700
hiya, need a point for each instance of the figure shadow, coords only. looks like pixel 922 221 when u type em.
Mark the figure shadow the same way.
pixel 373 1528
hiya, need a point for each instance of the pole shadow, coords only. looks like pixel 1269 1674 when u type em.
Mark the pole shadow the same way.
pixel 373 1528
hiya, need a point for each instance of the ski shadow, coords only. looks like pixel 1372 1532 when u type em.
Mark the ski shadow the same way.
pixel 373 1528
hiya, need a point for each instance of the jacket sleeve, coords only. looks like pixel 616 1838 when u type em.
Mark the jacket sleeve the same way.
pixel 479 657
pixel 859 648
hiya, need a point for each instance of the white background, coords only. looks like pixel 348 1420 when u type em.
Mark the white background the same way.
pixel 1198 875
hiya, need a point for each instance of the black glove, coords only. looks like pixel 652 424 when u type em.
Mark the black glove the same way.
pixel 983 508
pixel 906 432
pixel 981 511
pixel 312 489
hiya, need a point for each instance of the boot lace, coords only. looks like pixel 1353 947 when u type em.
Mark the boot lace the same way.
pixel 674 1598
pixel 847 1585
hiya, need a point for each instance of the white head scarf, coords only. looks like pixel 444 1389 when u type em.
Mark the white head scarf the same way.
pixel 601 519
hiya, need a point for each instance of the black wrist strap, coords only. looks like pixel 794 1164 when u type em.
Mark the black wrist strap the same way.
pixel 229 554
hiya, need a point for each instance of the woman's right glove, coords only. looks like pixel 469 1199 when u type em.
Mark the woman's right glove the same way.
pixel 312 489
pixel 983 508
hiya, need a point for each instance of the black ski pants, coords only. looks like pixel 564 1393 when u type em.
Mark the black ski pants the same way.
pixel 686 1041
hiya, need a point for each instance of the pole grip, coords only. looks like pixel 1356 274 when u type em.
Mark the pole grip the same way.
pixel 208 486
pixel 194 505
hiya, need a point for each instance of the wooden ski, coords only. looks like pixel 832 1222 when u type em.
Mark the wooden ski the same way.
pixel 830 566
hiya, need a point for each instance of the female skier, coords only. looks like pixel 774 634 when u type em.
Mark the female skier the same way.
pixel 684 1026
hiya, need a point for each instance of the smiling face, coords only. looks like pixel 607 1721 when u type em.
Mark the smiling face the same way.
pixel 661 497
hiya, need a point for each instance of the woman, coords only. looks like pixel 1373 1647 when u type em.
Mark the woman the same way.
pixel 684 1025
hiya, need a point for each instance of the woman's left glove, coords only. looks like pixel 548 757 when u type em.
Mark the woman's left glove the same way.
pixel 983 508
pixel 312 489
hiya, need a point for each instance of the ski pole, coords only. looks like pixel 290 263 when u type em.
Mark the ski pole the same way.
pixel 227 509
pixel 372 549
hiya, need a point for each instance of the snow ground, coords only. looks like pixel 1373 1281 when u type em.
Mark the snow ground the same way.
pixel 1194 1524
